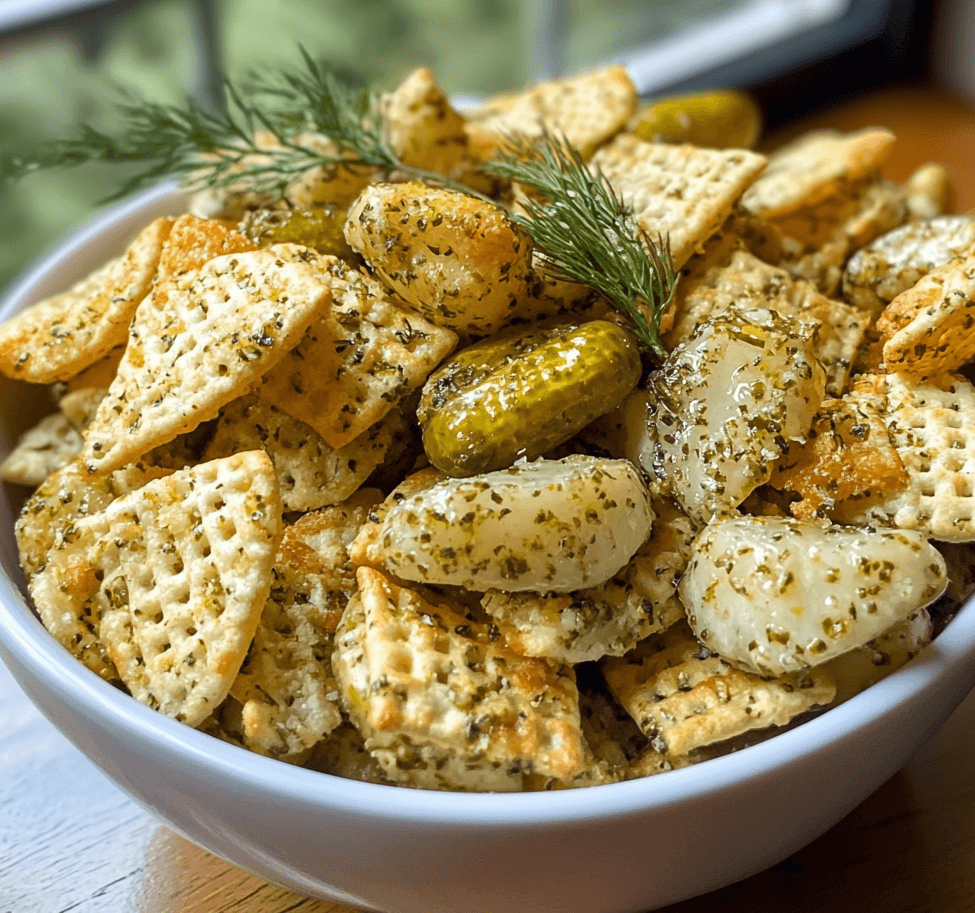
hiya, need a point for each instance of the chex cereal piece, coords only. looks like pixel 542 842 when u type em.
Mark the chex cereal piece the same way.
pixel 193 241
pixel 201 342
pixel 178 572
pixel 422 127
pixel 897 260
pixel 360 358
pixel 50 444
pixel 847 456
pixel 744 279
pixel 815 166
pixel 681 192
pixel 60 336
pixel 459 261
pixel 926 331
pixel 932 428
pixel 587 109
pixel 684 697
pixel 310 473
pixel 288 693
pixel 444 703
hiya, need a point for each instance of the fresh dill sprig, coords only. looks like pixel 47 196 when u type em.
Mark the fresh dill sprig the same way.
pixel 587 233
pixel 263 140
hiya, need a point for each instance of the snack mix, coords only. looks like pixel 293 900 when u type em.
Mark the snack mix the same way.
pixel 352 477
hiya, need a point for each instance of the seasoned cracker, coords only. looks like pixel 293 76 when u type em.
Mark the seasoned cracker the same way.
pixel 363 355
pixel 897 260
pixel 847 456
pixel 443 703
pixel 41 450
pixel 310 473
pixel 681 192
pixel 183 569
pixel 816 166
pixel 422 127
pixel 683 697
pixel 60 336
pixel 289 696
pixel 200 341
pixel 932 429
pixel 927 331
pixel 929 192
pixel 194 241
pixel 99 374
pixel 587 109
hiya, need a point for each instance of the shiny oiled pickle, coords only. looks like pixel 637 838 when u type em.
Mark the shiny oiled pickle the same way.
pixel 319 228
pixel 521 393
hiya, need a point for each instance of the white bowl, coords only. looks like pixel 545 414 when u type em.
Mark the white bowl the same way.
pixel 628 846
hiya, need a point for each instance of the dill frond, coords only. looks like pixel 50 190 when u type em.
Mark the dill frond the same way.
pixel 587 234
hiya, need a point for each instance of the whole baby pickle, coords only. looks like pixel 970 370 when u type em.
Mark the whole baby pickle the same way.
pixel 319 228
pixel 717 120
pixel 520 393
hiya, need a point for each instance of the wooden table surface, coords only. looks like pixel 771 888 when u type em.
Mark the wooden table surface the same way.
pixel 70 841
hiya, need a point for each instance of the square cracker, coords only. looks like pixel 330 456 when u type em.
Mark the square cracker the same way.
pixel 361 357
pixel 310 474
pixel 932 430
pixel 183 570
pixel 684 193
pixel 60 336
pixel 587 109
pixel 443 703
pixel 286 687
pixel 201 340
pixel 683 697
pixel 815 166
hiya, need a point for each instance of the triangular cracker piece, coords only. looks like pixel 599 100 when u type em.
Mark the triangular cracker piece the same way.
pixel 200 341
pixel 176 574
pixel 681 192
pixel 193 241
pixel 815 166
pixel 443 703
pixel 587 109
pixel 289 695
pixel 311 474
pixel 60 336
pixel 55 560
pixel 683 697
pixel 358 361
pixel 927 331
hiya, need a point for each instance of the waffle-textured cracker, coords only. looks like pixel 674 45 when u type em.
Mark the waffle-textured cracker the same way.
pixel 683 697
pixel 60 336
pixel 443 702
pixel 360 358
pixel 310 473
pixel 587 109
pixel 199 342
pixel 184 569
pixel 289 696
pixel 681 192
pixel 932 429
pixel 816 166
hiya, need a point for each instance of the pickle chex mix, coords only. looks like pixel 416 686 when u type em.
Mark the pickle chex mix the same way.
pixel 557 442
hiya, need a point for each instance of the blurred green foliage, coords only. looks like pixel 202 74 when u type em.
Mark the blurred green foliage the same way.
pixel 50 84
